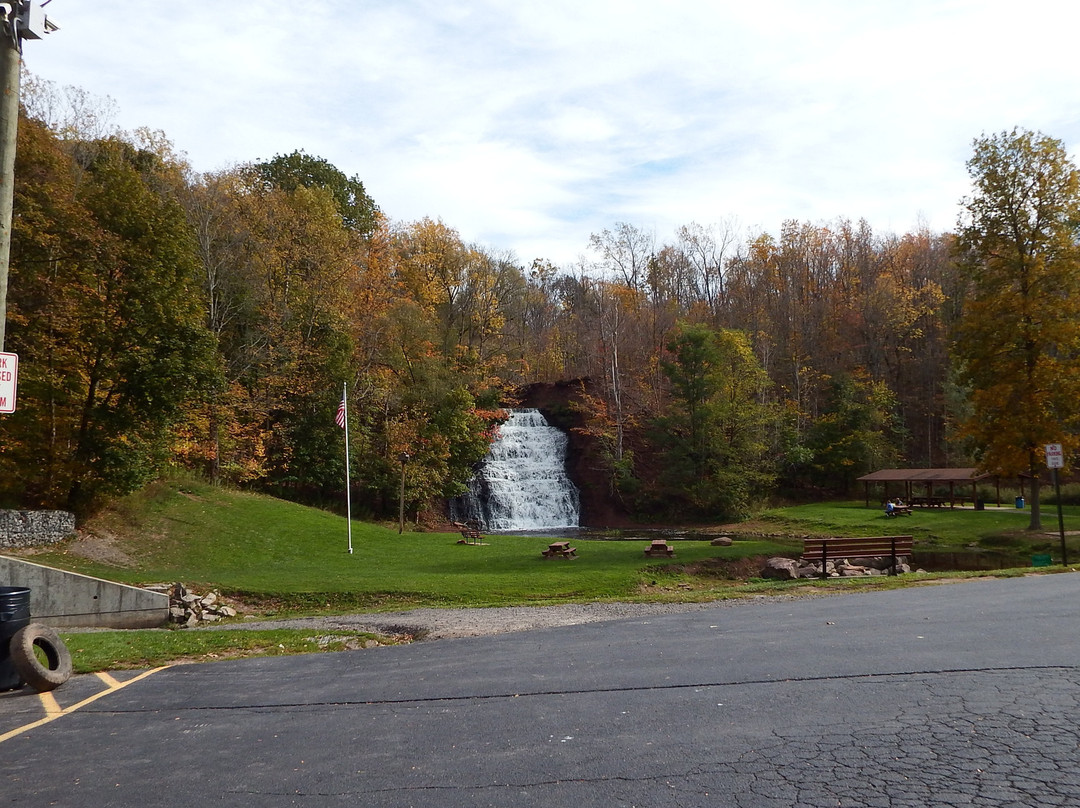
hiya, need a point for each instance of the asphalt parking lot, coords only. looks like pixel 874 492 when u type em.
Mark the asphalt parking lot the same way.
pixel 953 695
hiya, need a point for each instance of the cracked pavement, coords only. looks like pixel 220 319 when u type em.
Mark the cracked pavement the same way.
pixel 955 695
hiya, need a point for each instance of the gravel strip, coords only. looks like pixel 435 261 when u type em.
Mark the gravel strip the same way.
pixel 439 624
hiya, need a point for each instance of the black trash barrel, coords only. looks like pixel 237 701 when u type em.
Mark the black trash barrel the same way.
pixel 14 614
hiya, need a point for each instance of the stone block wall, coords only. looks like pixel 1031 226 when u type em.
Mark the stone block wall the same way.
pixel 28 528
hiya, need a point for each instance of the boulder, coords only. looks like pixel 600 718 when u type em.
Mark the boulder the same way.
pixel 721 541
pixel 878 562
pixel 780 568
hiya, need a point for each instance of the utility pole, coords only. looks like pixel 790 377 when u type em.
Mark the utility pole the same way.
pixel 21 20
pixel 403 458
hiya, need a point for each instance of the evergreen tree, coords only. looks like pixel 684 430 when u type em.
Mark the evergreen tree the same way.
pixel 715 439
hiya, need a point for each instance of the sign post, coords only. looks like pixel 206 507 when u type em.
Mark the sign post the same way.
pixel 1055 459
pixel 9 381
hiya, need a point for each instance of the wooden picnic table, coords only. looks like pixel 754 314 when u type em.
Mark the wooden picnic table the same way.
pixel 659 548
pixel 559 549
pixel 929 502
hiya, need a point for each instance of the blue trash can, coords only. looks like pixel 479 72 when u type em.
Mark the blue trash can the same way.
pixel 14 614
pixel 1020 503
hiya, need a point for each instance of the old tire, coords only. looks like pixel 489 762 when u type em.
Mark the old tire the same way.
pixel 41 674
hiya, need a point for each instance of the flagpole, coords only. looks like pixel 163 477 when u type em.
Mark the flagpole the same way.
pixel 348 485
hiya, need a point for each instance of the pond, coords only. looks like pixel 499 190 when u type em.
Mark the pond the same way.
pixel 929 560
pixel 969 561
pixel 622 534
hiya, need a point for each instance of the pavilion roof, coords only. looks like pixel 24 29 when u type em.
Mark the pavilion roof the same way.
pixel 966 475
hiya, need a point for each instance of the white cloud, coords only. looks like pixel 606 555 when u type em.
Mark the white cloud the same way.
pixel 528 127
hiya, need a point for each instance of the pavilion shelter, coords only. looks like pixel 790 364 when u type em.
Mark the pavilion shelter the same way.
pixel 917 481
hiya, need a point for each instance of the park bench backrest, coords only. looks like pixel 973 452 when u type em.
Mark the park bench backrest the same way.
pixel 831 549
pixel 863 547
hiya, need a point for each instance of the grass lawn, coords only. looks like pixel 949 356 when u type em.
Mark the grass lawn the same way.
pixel 284 559
pixel 942 529
pixel 148 648
pixel 263 549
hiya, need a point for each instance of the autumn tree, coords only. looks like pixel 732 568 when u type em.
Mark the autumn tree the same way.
pixel 624 253
pixel 106 318
pixel 290 351
pixel 706 252
pixel 1019 337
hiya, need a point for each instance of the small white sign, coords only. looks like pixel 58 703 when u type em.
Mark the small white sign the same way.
pixel 1055 457
pixel 9 379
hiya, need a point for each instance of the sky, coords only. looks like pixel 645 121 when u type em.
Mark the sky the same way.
pixel 529 126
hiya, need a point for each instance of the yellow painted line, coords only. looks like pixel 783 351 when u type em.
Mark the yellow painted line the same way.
pixel 49 702
pixel 53 710
pixel 107 679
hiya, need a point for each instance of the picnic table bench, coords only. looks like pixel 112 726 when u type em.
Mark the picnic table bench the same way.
pixel 559 549
pixel 470 533
pixel 929 502
pixel 832 549
pixel 659 548
pixel 898 510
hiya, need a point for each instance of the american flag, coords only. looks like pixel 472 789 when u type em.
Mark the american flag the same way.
pixel 339 419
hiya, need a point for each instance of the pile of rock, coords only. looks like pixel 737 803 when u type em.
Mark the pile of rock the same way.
pixel 191 609
pixel 790 568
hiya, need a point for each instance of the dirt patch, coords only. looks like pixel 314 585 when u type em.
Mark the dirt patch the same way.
pixel 101 547
pixel 728 569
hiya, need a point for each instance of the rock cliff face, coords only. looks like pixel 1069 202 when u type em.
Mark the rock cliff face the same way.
pixel 600 507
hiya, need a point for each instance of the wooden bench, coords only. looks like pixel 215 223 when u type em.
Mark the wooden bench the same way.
pixel 659 549
pixel 470 533
pixel 824 550
pixel 559 549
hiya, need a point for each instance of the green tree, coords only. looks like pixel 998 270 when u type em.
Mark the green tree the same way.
pixel 858 431
pixel 287 172
pixel 716 438
pixel 1018 343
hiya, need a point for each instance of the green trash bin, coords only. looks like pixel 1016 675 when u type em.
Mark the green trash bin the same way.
pixel 14 614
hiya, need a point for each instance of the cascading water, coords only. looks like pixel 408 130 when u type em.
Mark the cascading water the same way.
pixel 522 483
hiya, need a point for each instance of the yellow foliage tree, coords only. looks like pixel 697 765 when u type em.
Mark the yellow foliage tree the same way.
pixel 1019 338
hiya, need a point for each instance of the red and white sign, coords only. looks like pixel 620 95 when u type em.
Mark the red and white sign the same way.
pixel 1055 457
pixel 9 379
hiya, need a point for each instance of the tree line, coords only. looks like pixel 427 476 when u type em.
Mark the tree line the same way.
pixel 211 320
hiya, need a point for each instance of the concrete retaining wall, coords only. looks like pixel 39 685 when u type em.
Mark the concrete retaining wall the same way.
pixel 66 599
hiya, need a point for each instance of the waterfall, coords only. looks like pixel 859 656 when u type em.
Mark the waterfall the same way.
pixel 522 483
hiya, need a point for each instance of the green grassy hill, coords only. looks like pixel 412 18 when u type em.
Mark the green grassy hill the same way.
pixel 294 557
pixel 287 557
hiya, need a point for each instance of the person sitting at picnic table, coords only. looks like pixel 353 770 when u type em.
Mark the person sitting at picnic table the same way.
pixel 889 507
